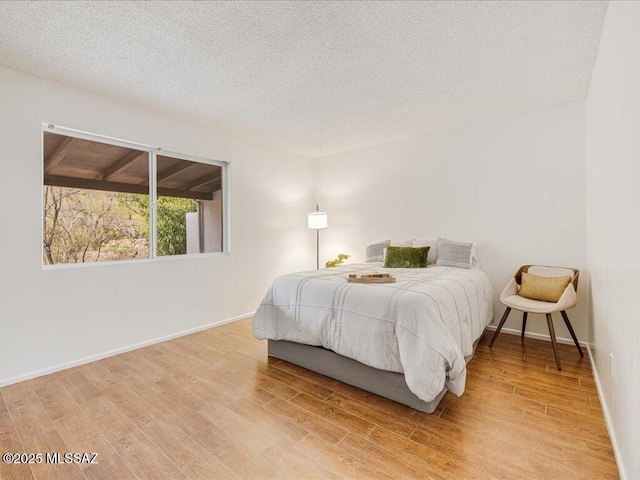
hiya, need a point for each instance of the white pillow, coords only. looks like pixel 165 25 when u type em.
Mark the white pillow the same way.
pixel 475 265
pixel 402 243
pixel 432 243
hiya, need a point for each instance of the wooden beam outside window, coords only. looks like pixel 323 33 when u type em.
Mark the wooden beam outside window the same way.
pixel 58 155
pixel 173 171
pixel 121 164
pixel 199 182
pixel 70 182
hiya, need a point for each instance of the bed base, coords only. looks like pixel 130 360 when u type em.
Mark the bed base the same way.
pixel 389 385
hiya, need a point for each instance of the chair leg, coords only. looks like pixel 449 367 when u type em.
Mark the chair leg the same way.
pixel 504 319
pixel 573 334
pixel 524 322
pixel 552 332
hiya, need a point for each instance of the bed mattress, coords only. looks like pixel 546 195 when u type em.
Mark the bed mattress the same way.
pixel 422 326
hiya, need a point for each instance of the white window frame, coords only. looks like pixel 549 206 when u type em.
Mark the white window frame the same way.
pixel 153 195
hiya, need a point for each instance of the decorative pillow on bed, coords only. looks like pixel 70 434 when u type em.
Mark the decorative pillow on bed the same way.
pixel 545 289
pixel 402 243
pixel 454 254
pixel 406 257
pixel 375 252
pixel 433 248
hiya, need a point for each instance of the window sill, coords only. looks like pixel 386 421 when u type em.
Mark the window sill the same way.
pixel 169 258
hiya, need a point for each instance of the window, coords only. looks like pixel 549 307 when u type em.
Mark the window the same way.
pixel 109 200
pixel 189 206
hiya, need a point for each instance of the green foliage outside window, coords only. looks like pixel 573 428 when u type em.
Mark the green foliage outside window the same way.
pixel 172 225
pixel 93 226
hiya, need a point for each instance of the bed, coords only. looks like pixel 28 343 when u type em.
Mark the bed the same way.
pixel 408 341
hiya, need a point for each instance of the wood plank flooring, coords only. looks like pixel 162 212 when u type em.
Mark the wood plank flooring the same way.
pixel 213 405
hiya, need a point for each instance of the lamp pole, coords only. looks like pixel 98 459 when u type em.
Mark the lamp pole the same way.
pixel 317 243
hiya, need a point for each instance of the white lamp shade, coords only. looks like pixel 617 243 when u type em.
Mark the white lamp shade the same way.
pixel 317 220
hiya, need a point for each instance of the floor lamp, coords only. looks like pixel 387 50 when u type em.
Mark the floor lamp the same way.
pixel 317 221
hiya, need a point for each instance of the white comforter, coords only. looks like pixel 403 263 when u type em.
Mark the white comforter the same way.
pixel 423 325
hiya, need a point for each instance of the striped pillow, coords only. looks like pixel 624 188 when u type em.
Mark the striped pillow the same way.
pixel 375 252
pixel 454 254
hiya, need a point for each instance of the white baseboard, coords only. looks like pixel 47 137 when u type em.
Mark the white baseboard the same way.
pixel 539 336
pixel 100 356
pixel 607 417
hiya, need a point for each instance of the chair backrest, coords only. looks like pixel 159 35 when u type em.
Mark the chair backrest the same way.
pixel 545 271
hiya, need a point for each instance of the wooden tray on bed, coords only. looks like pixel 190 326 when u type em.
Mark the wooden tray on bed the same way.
pixel 371 277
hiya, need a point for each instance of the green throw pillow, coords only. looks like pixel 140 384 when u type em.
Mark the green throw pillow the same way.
pixel 406 257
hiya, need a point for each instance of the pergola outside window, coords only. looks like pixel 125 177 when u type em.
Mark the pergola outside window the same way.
pixel 109 201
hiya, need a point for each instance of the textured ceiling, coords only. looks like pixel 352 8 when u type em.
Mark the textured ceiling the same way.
pixel 314 78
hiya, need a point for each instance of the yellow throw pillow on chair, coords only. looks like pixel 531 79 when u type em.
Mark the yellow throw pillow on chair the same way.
pixel 545 289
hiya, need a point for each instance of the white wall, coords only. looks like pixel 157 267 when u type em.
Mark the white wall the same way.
pixel 613 231
pixel 514 185
pixel 211 211
pixel 51 317
pixel 192 221
pixel 213 222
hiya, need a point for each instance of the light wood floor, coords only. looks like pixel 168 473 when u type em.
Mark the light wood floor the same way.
pixel 212 405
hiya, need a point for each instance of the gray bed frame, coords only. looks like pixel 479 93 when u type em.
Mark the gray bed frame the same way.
pixel 390 385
